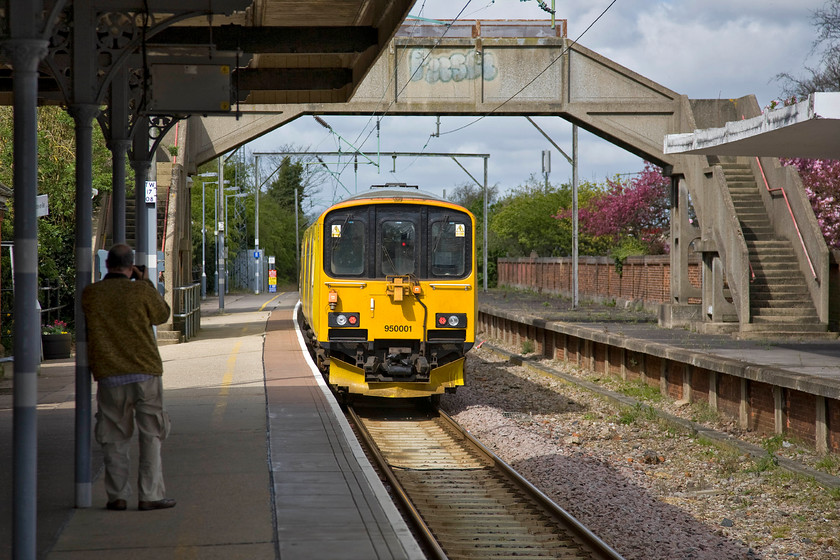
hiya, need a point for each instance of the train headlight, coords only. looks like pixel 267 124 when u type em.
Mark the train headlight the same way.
pixel 451 320
pixel 342 319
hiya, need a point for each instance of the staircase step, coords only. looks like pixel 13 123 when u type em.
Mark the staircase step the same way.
pixel 770 245
pixel 166 337
pixel 763 259
pixel 755 233
pixel 777 289
pixel 785 327
pixel 785 314
pixel 780 303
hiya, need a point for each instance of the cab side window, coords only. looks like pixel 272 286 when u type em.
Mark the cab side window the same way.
pixel 448 248
pixel 347 247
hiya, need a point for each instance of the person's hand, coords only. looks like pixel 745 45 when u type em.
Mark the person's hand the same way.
pixel 140 272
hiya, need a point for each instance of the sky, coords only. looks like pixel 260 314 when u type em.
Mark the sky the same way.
pixel 701 48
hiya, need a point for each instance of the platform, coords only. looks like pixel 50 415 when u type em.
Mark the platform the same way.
pixel 260 459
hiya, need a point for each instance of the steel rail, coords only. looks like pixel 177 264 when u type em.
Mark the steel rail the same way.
pixel 429 539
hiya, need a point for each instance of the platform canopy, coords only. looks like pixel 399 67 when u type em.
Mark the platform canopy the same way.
pixel 273 51
pixel 808 129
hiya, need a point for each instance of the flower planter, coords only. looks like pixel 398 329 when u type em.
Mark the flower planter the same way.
pixel 56 346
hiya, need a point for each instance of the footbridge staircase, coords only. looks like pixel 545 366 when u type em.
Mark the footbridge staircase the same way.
pixel 765 264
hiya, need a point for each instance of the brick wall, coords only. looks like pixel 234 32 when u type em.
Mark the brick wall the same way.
pixel 644 279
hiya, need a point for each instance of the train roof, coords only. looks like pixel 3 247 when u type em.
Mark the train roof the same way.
pixel 376 193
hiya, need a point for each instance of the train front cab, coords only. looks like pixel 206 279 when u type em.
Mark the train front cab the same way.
pixel 397 300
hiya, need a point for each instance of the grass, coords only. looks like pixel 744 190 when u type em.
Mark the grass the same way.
pixel 639 391
pixel 528 347
pixel 703 413
pixel 830 464
pixel 773 443
pixel 632 414
pixel 766 463
pixel 780 532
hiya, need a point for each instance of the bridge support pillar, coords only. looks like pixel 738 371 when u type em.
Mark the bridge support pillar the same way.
pixel 678 312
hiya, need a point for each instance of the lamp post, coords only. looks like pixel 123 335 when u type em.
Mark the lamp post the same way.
pixel 204 229
pixel 227 196
pixel 204 234
pixel 257 255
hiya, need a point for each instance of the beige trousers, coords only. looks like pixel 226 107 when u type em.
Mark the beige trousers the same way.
pixel 118 407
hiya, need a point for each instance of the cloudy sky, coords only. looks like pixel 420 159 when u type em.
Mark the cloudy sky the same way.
pixel 700 48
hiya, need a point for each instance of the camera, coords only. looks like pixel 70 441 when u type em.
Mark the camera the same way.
pixel 142 269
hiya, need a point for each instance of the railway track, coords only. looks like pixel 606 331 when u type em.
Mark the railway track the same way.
pixel 466 502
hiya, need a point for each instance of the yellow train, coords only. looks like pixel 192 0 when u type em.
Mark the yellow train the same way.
pixel 388 296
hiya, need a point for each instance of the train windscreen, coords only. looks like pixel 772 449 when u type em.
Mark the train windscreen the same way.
pixel 397 243
pixel 379 240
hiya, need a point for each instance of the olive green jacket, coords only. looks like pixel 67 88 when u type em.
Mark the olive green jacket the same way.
pixel 119 314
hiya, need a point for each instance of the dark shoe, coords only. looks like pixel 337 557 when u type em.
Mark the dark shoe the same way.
pixel 116 505
pixel 159 504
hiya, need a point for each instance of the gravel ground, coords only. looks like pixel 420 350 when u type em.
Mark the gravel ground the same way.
pixel 647 489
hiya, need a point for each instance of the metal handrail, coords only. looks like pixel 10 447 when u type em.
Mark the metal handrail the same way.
pixel 792 217
pixel 187 302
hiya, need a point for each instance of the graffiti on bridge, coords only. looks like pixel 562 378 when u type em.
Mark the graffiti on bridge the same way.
pixel 451 66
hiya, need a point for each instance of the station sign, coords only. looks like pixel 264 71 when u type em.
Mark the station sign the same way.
pixel 151 192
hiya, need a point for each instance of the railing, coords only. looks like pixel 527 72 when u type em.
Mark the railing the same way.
pixel 187 302
pixel 792 217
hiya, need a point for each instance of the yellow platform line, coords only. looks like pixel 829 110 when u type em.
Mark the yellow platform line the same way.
pixel 227 381
pixel 272 299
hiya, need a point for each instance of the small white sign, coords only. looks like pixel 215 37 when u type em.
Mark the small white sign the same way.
pixel 270 260
pixel 151 192
pixel 42 205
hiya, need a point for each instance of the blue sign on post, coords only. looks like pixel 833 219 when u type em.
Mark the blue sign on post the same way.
pixel 256 254
pixel 272 288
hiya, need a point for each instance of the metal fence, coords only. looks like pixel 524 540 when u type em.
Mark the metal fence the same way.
pixel 243 272
pixel 187 313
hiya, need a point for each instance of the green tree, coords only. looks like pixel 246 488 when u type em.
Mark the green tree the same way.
pixel 56 179
pixel 532 219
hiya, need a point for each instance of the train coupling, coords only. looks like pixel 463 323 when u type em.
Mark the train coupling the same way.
pixel 397 363
pixel 398 287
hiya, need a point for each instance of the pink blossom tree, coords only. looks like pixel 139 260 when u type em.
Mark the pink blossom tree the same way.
pixel 634 210
pixel 822 184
